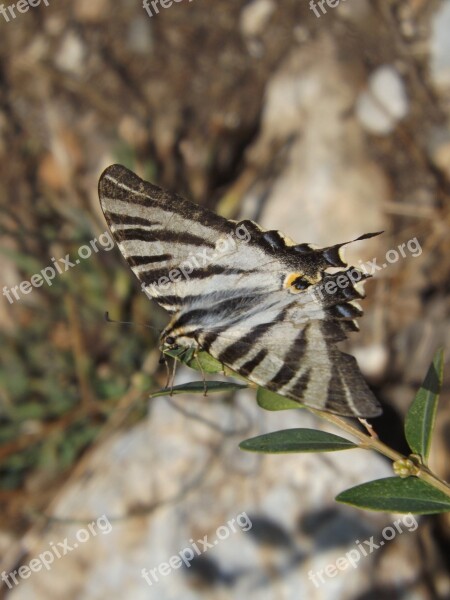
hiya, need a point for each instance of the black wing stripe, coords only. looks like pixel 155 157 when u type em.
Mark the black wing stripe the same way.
pixel 201 273
pixel 161 235
pixel 192 299
pixel 118 183
pixel 209 338
pixel 299 388
pixel 336 393
pixel 247 368
pixel 122 219
pixel 293 355
pixel 137 261
pixel 233 309
pixel 240 348
pixel 152 276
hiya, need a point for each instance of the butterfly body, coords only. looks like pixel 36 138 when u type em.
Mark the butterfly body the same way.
pixel 253 299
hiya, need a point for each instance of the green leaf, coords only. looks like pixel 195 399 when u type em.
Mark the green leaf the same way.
pixel 200 361
pixel 198 387
pixel 296 440
pixel 203 361
pixel 419 423
pixel 182 353
pixel 271 401
pixel 393 494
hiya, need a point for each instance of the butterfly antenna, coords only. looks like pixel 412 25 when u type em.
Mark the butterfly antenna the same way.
pixel 109 320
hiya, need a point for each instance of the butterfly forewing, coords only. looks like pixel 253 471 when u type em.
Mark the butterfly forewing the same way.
pixel 245 295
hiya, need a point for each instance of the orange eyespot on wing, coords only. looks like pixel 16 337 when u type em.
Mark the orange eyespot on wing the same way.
pixel 296 283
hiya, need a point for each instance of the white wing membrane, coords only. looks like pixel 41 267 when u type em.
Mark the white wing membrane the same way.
pixel 245 295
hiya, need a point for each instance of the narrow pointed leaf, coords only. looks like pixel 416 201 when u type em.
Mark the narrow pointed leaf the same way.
pixel 271 401
pixel 198 387
pixel 419 423
pixel 393 494
pixel 296 440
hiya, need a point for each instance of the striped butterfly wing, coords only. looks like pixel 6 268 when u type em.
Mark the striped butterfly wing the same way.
pixel 253 299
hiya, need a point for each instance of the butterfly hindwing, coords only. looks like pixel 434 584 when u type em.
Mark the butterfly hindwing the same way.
pixel 251 298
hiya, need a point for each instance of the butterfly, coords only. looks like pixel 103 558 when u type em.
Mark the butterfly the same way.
pixel 266 307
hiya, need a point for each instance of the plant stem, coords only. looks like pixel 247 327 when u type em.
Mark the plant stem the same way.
pixel 371 443
pixel 426 475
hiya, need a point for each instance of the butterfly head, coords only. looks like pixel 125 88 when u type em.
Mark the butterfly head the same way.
pixel 172 340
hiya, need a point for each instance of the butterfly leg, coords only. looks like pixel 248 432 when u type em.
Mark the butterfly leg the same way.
pixel 172 378
pixel 163 361
pixel 205 386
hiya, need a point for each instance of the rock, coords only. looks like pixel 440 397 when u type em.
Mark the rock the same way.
pixel 255 17
pixel 327 189
pixel 355 10
pixel 439 150
pixel 440 46
pixel 140 37
pixel 200 482
pixel 372 359
pixel 383 103
pixel 71 54
pixel 133 132
pixel 88 11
